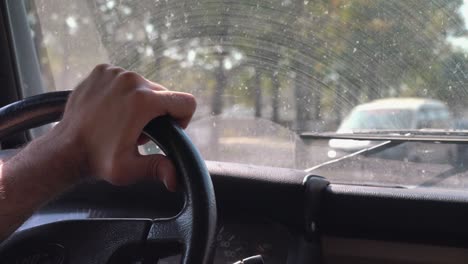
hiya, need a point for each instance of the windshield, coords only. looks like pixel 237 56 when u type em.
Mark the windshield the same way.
pixel 265 71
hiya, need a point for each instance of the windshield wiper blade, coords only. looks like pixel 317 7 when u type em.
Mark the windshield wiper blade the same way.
pixel 424 131
pixel 446 137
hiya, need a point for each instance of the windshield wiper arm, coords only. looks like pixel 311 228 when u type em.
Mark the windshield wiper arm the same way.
pixel 365 151
pixel 445 137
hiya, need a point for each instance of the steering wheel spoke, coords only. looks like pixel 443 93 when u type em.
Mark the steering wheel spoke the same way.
pixel 172 229
pixel 166 230
pixel 74 240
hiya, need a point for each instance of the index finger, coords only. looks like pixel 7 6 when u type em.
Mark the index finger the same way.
pixel 180 106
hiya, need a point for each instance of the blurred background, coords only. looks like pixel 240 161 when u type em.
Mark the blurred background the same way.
pixel 303 64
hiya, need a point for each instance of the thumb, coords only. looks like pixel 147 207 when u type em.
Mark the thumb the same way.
pixel 157 167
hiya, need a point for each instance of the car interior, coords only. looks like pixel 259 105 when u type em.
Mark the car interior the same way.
pixel 227 211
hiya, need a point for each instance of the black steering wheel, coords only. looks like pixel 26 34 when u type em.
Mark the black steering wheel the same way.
pixel 97 240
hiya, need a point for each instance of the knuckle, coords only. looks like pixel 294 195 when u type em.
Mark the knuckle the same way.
pixel 101 67
pixel 129 76
pixel 115 70
pixel 129 79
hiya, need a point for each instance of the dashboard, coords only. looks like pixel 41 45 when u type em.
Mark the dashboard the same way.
pixel 248 223
pixel 241 238
pixel 236 238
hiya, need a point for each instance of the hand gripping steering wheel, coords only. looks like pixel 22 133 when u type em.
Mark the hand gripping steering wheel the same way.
pixel 97 240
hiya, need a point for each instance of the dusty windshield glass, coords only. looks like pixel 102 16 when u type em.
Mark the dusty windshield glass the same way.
pixel 266 71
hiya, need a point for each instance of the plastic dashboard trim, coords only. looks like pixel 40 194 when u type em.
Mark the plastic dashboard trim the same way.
pixel 426 215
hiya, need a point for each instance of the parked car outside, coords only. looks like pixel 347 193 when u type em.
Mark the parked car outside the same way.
pixel 398 115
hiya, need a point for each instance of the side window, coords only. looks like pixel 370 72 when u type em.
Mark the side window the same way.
pixel 445 118
pixel 434 118
pixel 423 119
pixel 434 121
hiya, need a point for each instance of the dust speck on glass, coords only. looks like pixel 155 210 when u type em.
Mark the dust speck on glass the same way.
pixel 264 72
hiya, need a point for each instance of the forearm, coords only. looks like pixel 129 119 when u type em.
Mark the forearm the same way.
pixel 30 178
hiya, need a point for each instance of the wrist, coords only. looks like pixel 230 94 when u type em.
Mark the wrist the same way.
pixel 60 154
pixel 46 167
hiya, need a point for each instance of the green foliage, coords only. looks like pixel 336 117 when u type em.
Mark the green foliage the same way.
pixel 317 59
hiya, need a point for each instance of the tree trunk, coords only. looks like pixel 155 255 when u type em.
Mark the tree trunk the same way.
pixel 217 99
pixel 158 46
pixel 41 50
pixel 258 93
pixel 275 97
pixel 158 49
pixel 302 97
pixel 316 104
pixel 121 54
pixel 338 104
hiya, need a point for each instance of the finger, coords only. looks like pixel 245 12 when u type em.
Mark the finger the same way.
pixel 180 106
pixel 142 139
pixel 156 86
pixel 156 167
pixel 100 69
pixel 114 70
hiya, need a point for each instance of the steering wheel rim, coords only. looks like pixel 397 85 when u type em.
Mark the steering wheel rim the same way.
pixel 195 224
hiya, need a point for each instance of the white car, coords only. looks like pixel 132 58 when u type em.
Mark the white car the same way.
pixel 398 114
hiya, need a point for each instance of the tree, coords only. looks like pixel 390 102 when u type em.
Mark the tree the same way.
pixel 387 48
pixel 319 58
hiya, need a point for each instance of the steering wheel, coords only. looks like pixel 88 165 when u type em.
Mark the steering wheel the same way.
pixel 98 240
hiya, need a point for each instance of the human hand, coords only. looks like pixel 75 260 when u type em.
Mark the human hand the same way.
pixel 103 121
